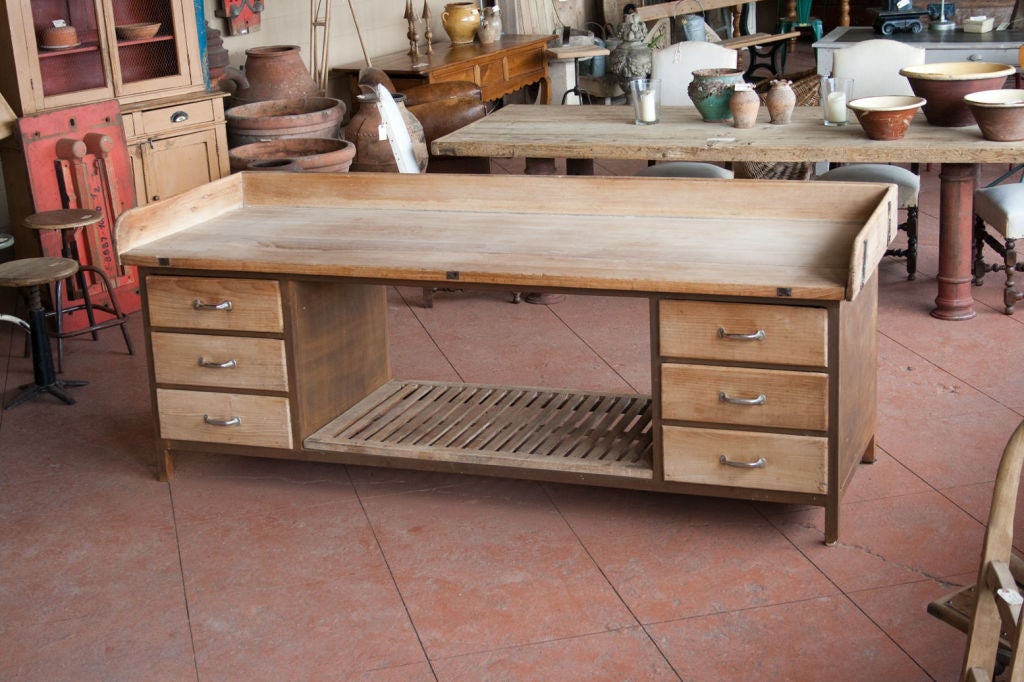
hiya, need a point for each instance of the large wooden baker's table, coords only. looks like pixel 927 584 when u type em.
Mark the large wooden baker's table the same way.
pixel 266 325
pixel 590 133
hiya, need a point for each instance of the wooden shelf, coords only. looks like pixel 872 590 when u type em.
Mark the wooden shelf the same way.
pixel 570 431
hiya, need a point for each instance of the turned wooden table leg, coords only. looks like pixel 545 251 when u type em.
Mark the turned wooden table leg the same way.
pixel 956 218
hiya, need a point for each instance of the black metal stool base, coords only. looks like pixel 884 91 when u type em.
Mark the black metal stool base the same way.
pixel 29 391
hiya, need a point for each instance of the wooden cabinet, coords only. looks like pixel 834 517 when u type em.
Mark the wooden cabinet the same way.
pixel 101 63
pixel 175 145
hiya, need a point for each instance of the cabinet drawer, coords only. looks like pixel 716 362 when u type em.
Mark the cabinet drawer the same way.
pixel 249 305
pixel 790 463
pixel 787 400
pixel 164 119
pixel 786 335
pixel 219 361
pixel 258 419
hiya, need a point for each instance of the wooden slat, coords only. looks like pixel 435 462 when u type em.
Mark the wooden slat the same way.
pixel 535 428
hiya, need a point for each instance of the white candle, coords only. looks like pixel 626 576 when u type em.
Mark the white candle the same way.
pixel 835 107
pixel 648 112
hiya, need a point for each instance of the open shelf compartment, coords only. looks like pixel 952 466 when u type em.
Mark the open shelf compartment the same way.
pixel 536 428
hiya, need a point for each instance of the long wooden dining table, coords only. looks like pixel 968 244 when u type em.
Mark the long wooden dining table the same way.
pixel 581 134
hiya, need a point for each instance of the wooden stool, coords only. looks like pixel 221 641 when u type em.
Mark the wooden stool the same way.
pixel 30 273
pixel 69 221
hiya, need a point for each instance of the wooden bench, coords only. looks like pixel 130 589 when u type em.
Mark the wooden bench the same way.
pixel 763 46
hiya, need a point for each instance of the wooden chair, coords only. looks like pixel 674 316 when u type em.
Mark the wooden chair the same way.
pixel 990 610
pixel 874 65
pixel 1001 207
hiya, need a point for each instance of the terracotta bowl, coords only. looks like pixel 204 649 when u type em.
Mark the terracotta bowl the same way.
pixel 886 117
pixel 945 84
pixel 137 31
pixel 999 113
pixel 59 37
pixel 313 154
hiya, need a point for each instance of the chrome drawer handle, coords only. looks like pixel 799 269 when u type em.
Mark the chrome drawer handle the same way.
pixel 234 421
pixel 756 336
pixel 759 400
pixel 761 463
pixel 179 117
pixel 199 305
pixel 230 364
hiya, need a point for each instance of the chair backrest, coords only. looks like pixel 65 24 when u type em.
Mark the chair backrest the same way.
pixel 675 66
pixel 874 65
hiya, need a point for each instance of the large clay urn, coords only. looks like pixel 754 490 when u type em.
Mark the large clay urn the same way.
pixel 461 21
pixel 374 154
pixel 271 72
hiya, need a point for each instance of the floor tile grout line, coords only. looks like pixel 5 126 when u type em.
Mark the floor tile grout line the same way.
pixel 181 573
pixel 391 573
pixel 429 335
pixel 598 354
pixel 611 585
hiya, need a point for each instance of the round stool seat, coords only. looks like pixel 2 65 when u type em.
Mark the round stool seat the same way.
pixel 686 169
pixel 63 219
pixel 28 272
pixel 908 184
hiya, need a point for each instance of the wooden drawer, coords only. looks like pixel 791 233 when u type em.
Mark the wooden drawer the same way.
pixel 178 116
pixel 261 420
pixel 703 393
pixel 522 63
pixel 789 335
pixel 790 463
pixel 246 305
pixel 219 361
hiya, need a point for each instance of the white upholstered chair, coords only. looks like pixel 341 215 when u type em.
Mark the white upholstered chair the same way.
pixel 686 169
pixel 874 65
pixel 1002 208
pixel 675 65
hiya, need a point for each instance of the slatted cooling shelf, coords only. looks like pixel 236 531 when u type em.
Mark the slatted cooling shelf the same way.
pixel 580 432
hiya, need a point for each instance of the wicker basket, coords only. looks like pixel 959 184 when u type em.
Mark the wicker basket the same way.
pixel 805 86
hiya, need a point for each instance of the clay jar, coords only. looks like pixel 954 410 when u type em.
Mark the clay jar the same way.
pixel 374 154
pixel 744 104
pixel 461 21
pixel 272 72
pixel 710 91
pixel 780 101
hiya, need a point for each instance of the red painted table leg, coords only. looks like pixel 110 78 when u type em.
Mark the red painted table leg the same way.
pixel 956 218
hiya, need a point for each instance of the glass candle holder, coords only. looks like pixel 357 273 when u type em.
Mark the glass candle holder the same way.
pixel 645 93
pixel 835 94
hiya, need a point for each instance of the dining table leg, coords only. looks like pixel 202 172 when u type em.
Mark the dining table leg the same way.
pixel 956 220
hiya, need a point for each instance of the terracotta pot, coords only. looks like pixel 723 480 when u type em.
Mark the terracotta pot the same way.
pixel 312 155
pixel 744 105
pixel 999 113
pixel 271 72
pixel 710 91
pixel 780 101
pixel 374 154
pixel 886 117
pixel 461 21
pixel 284 118
pixel 945 84
pixel 216 53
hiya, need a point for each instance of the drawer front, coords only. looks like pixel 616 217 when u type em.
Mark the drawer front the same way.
pixel 1008 56
pixel 720 395
pixel 523 63
pixel 158 121
pixel 247 305
pixel 750 332
pixel 219 361
pixel 257 420
pixel 765 461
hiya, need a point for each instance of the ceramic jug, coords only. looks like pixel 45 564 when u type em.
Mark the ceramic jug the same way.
pixel 271 72
pixel 461 21
pixel 490 25
pixel 780 101
pixel 710 91
pixel 374 154
pixel 744 104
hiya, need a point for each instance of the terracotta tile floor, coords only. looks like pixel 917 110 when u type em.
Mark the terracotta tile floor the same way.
pixel 254 569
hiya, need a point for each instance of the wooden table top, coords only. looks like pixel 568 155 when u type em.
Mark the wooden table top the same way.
pixel 609 132
pixel 620 234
